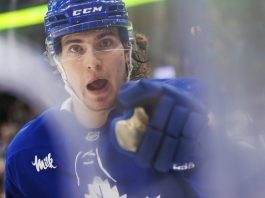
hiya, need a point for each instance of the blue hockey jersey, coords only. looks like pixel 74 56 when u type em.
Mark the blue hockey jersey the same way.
pixel 53 156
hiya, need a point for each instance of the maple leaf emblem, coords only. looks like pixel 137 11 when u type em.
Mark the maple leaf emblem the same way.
pixel 102 189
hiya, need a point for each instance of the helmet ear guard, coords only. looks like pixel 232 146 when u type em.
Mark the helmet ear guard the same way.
pixel 49 53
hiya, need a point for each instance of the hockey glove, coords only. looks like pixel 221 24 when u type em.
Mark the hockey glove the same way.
pixel 162 126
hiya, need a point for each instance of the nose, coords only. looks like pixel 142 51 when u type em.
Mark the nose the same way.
pixel 92 61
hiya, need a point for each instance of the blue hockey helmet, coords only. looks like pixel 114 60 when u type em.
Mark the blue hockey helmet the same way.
pixel 70 16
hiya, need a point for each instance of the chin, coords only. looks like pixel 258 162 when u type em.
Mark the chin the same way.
pixel 99 109
pixel 98 106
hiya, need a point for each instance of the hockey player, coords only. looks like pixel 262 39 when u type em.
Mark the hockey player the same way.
pixel 112 137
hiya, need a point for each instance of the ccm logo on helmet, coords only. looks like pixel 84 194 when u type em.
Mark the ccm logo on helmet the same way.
pixel 86 10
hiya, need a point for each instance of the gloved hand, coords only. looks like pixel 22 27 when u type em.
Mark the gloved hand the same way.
pixel 162 126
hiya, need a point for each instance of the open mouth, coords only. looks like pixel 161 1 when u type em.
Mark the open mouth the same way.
pixel 97 85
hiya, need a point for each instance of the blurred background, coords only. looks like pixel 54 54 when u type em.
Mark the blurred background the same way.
pixel 220 42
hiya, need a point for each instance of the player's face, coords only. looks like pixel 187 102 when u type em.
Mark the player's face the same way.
pixel 94 63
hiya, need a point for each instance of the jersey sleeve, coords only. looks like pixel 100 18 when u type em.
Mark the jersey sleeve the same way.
pixel 11 186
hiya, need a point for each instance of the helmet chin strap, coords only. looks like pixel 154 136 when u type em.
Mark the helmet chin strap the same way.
pixel 70 89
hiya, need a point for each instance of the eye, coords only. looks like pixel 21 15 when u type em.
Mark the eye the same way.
pixel 75 49
pixel 106 43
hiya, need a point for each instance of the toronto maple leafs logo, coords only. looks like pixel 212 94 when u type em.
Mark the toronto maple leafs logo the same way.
pixel 102 189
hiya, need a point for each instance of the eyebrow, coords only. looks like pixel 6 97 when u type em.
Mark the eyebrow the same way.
pixel 106 33
pixel 67 42
pixel 98 37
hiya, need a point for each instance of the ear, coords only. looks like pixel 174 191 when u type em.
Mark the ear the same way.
pixel 127 57
pixel 127 52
